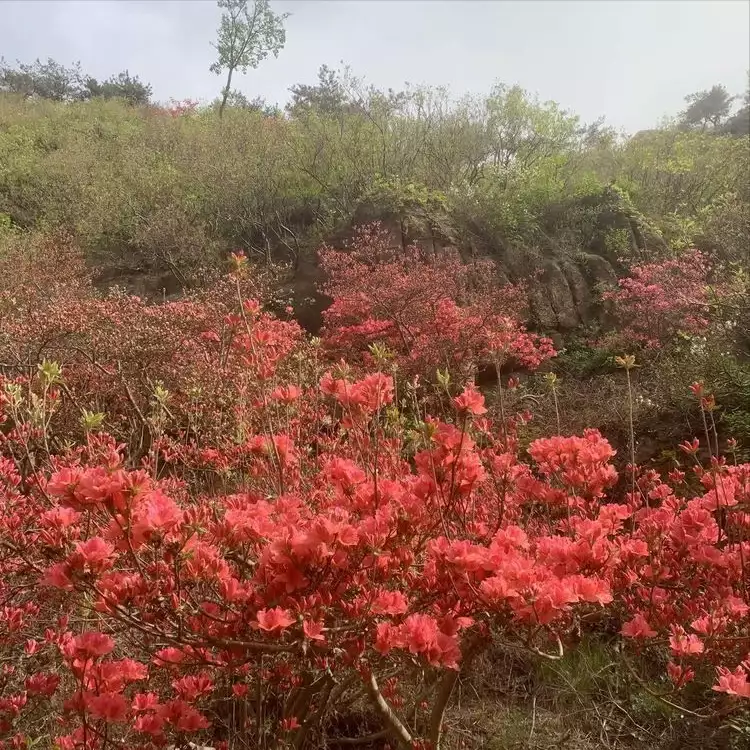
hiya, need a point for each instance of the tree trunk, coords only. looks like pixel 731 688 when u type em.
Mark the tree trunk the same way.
pixel 445 690
pixel 392 723
pixel 225 93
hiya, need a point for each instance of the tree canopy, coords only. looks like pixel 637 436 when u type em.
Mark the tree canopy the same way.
pixel 249 31
pixel 54 81
pixel 709 107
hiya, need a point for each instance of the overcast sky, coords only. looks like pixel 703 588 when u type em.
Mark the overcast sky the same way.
pixel 632 61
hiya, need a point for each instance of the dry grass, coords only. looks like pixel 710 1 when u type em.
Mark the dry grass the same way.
pixel 585 702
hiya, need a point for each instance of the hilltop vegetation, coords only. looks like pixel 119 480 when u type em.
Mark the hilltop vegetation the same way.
pixel 173 190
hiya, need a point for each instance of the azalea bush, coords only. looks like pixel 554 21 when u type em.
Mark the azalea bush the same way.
pixel 660 300
pixel 335 545
pixel 427 311
pixel 142 369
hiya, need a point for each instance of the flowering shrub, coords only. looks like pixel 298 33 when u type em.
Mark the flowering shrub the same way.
pixel 429 312
pixel 338 548
pixel 144 369
pixel 659 300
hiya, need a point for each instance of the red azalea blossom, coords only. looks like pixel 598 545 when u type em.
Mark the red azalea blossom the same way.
pixel 638 627
pixel 92 644
pixel 470 402
pixel 111 707
pixel 733 682
pixel 274 619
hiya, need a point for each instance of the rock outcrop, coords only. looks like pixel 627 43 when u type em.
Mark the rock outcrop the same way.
pixel 573 251
pixel 576 253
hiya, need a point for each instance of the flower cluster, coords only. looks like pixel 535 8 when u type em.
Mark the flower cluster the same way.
pixel 659 300
pixel 427 311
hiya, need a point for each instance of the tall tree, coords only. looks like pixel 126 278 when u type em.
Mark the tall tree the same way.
pixel 249 31
pixel 707 107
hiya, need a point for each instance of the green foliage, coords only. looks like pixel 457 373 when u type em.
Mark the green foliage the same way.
pixel 145 192
pixel 524 132
pixel 617 242
pixel 53 81
pixel 731 378
pixel 579 360
pixel 739 122
pixel 737 425
pixel 670 171
pixel 724 228
pixel 327 97
pixel 47 80
pixel 122 86
pixel 707 107
pixel 249 31
pixel 397 196
pixel 237 100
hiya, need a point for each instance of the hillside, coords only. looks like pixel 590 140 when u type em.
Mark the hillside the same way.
pixel 388 420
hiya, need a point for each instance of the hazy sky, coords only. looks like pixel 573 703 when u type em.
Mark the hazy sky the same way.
pixel 632 61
